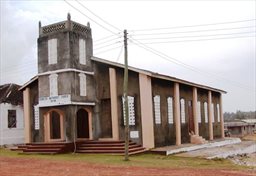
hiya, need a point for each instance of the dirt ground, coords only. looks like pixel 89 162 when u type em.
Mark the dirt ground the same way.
pixel 10 166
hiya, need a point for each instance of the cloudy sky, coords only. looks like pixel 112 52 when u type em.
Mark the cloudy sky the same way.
pixel 207 42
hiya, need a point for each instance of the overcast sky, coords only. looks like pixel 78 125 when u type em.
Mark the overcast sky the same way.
pixel 207 42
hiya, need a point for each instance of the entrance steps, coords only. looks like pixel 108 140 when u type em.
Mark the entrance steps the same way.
pixel 44 148
pixel 110 147
pixel 196 139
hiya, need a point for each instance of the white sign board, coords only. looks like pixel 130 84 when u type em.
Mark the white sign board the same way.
pixel 54 100
pixel 134 134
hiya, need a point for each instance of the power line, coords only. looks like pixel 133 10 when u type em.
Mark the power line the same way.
pixel 98 16
pixel 90 18
pixel 107 45
pixel 187 26
pixel 196 40
pixel 104 38
pixel 108 50
pixel 107 41
pixel 195 36
pixel 176 61
pixel 194 31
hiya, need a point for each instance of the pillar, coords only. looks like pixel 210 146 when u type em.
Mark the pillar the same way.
pixel 27 118
pixel 195 110
pixel 210 115
pixel 113 97
pixel 221 118
pixel 146 104
pixel 177 113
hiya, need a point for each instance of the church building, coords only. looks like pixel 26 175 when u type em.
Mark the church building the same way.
pixel 77 97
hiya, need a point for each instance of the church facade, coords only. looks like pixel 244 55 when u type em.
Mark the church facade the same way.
pixel 76 96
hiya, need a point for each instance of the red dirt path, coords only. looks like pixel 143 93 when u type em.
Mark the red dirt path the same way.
pixel 41 167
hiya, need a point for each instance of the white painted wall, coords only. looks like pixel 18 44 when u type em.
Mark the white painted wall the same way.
pixel 11 135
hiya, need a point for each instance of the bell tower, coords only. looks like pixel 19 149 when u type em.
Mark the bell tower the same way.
pixel 65 72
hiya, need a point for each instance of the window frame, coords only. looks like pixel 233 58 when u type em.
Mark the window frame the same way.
pixel 82 51
pixel 170 110
pixel 53 84
pixel 183 110
pixel 12 118
pixel 53 51
pixel 82 84
pixel 131 111
pixel 157 109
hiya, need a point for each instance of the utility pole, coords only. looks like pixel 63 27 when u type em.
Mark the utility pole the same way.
pixel 126 158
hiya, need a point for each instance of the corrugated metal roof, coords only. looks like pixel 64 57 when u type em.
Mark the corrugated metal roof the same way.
pixel 9 93
pixel 146 72
pixel 157 75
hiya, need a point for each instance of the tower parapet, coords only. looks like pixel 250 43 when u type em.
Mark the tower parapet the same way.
pixel 64 26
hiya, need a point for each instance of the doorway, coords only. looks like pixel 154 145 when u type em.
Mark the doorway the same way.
pixel 82 123
pixel 53 124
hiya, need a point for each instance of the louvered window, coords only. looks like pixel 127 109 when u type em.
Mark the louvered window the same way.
pixel 53 80
pixel 82 51
pixel 131 110
pixel 52 51
pixel 206 112
pixel 170 110
pixel 157 109
pixel 199 118
pixel 82 78
pixel 218 112
pixel 182 111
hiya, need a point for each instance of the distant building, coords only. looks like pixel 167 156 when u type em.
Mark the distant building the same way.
pixel 11 115
pixel 241 128
pixel 76 96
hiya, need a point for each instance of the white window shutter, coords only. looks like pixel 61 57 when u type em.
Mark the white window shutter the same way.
pixel 53 81
pixel 206 112
pixel 157 109
pixel 182 110
pixel 213 119
pixel 82 51
pixel 218 112
pixel 82 78
pixel 170 110
pixel 52 51
pixel 131 110
pixel 36 117
pixel 199 118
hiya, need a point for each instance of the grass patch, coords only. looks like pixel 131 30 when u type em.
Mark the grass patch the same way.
pixel 143 160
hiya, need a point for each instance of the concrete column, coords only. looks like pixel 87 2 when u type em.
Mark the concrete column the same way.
pixel 27 118
pixel 221 118
pixel 195 110
pixel 210 115
pixel 177 113
pixel 113 95
pixel 146 104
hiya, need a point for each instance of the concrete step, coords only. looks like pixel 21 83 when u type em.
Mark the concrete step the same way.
pixel 104 144
pixel 113 147
pixel 116 151
pixel 106 147
pixel 51 150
